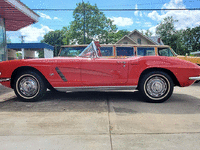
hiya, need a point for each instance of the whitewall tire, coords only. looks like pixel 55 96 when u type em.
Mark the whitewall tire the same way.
pixel 156 86
pixel 29 86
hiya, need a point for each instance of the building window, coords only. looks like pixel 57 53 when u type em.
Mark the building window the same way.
pixel 2 40
pixel 139 40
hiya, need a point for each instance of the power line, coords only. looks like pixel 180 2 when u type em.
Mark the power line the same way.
pixel 180 9
pixel 140 4
pixel 131 5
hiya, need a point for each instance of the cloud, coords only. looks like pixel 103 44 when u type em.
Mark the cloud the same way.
pixel 33 34
pixel 174 4
pixel 141 14
pixel 44 15
pixel 122 21
pixel 154 16
pixel 147 24
pixel 136 12
pixel 56 18
pixel 185 18
pixel 153 30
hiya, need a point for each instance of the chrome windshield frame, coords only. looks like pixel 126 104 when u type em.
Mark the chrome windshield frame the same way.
pixel 94 50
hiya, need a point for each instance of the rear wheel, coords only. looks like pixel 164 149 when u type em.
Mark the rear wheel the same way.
pixel 29 86
pixel 156 86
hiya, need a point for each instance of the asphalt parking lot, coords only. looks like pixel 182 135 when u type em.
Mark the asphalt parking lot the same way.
pixel 100 121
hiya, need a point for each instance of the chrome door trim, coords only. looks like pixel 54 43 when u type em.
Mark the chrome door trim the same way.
pixel 95 88
pixel 194 78
pixel 4 80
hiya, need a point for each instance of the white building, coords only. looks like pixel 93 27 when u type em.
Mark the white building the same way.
pixel 29 50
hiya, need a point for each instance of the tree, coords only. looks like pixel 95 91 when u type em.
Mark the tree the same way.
pixel 182 41
pixel 166 30
pixel 92 23
pixel 66 35
pixel 169 35
pixel 54 38
pixel 40 54
pixel 191 38
pixel 148 33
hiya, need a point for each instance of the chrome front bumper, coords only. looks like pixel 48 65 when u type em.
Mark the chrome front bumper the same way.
pixel 194 78
pixel 4 80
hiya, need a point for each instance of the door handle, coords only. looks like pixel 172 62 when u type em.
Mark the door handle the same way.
pixel 121 62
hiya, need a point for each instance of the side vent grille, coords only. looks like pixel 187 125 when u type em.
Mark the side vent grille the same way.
pixel 61 75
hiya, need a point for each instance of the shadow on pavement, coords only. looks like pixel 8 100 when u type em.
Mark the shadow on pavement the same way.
pixel 4 89
pixel 120 102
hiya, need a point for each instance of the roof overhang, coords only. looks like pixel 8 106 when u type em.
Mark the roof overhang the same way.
pixel 127 38
pixel 16 14
pixel 136 31
pixel 29 46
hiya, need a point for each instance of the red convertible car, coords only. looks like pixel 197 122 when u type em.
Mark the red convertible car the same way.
pixel 154 76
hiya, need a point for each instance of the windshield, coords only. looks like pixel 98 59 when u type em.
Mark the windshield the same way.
pixel 90 51
pixel 71 51
pixel 165 52
pixel 174 52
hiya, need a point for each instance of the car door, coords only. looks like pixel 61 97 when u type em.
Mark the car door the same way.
pixel 104 71
pixel 69 71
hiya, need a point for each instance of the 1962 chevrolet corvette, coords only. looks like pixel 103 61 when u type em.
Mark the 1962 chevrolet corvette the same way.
pixel 154 76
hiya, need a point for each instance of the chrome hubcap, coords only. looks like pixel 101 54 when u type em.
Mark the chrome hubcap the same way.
pixel 156 87
pixel 28 86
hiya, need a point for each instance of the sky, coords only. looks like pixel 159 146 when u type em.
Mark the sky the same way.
pixel 129 20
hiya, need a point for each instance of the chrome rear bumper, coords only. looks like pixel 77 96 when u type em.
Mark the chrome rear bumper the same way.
pixel 4 80
pixel 194 78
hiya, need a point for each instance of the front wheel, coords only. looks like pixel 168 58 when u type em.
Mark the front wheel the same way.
pixel 29 86
pixel 156 86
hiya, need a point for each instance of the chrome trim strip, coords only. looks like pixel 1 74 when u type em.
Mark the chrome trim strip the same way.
pixel 194 78
pixel 95 88
pixel 4 80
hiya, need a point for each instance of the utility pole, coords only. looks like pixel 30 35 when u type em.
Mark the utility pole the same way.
pixel 22 38
pixel 22 50
pixel 83 20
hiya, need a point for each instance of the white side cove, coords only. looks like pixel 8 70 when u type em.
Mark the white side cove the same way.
pixel 95 88
pixel 48 53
